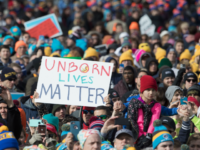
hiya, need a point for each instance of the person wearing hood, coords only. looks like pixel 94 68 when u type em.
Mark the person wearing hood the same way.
pixel 152 67
pixel 140 58
pixel 116 77
pixel 127 83
pixel 9 41
pixel 171 55
pixel 111 49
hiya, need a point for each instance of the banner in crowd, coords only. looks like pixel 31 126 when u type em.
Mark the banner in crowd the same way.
pixel 146 26
pixel 46 26
pixel 73 82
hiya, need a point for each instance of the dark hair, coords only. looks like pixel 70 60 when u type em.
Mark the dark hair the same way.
pixel 69 118
pixel 4 46
pixel 160 96
pixel 135 40
pixel 79 50
pixel 104 108
pixel 177 143
pixel 178 41
pixel 15 65
pixel 192 30
pixel 118 24
pixel 89 58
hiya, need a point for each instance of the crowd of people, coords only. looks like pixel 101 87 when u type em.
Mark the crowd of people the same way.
pixel 153 100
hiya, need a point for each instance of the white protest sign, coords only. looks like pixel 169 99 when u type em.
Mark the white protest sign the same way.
pixel 146 26
pixel 73 82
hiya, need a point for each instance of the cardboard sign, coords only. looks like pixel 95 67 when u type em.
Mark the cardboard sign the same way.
pixel 73 82
pixel 46 26
pixel 16 96
pixel 146 26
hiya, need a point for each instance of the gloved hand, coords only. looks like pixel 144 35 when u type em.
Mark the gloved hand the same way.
pixel 35 138
pixel 145 141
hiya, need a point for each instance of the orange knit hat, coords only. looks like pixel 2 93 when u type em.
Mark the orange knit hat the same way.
pixel 18 44
pixel 134 26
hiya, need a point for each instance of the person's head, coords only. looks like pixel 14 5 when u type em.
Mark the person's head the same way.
pixel 162 139
pixel 8 77
pixel 25 37
pixel 126 45
pixel 194 141
pixel 122 138
pixel 164 37
pixel 140 74
pixel 128 74
pixel 8 142
pixel 119 28
pixel 96 123
pixel 20 48
pixel 160 97
pixel 184 27
pixel 155 38
pixel 71 108
pixel 87 113
pixel 102 112
pixel 169 124
pixel 89 139
pixel 16 67
pixel 26 59
pixel 3 109
pixel 59 111
pixel 171 54
pixel 5 52
pixel 177 144
pixel 22 137
pixel 168 77
pixel 190 79
pixel 179 46
pixel 71 41
pixel 112 60
pixel 148 87
pixel 194 91
pixel 173 93
pixel 152 66
pixel 123 36
pixel 91 52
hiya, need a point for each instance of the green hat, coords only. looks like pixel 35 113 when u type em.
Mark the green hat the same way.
pixel 55 107
pixel 165 62
pixel 126 43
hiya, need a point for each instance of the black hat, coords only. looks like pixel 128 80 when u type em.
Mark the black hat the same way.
pixel 8 73
pixel 188 75
pixel 37 63
pixel 113 93
pixel 167 73
pixel 195 89
pixel 72 37
pixel 168 121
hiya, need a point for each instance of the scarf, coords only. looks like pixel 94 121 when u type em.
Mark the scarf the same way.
pixel 133 107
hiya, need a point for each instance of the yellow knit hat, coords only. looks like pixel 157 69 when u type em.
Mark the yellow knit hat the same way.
pixel 127 55
pixel 54 54
pixel 185 55
pixel 195 67
pixel 160 54
pixel 47 51
pixel 90 52
pixel 145 47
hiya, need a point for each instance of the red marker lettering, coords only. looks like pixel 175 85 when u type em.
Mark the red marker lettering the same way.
pixel 51 67
pixel 95 67
pixel 103 69
pixel 60 65
pixel 72 67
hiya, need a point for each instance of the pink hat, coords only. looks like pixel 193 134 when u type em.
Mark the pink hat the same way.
pixel 138 54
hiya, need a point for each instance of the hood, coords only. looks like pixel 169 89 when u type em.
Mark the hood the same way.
pixel 135 75
pixel 140 60
pixel 148 61
pixel 111 58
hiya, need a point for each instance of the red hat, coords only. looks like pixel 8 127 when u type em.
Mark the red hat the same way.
pixel 147 82
pixel 87 108
pixel 192 99
pixel 51 128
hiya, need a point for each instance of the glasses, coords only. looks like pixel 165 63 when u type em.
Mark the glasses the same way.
pixel 102 117
pixel 12 80
pixel 193 80
pixel 90 111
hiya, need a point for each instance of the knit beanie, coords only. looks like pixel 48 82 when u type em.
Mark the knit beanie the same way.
pixel 156 36
pixel 65 130
pixel 65 52
pixel 47 51
pixel 90 52
pixel 170 92
pixel 8 73
pixel 105 145
pixel 145 47
pixel 8 37
pixel 160 134
pixel 84 134
pixel 147 82
pixel 167 73
pixel 166 62
pixel 18 44
pixel 95 123
pixel 192 99
pixel 160 54
pixel 195 89
pixel 55 107
pixel 15 30
pixel 170 49
pixel 56 45
pixel 127 55
pixel 185 55
pixel 194 67
pixel 134 26
pixel 7 140
pixel 188 75
pixel 51 119
pixel 126 43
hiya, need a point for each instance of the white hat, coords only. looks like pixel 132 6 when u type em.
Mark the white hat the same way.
pixel 123 35
pixel 76 28
pixel 163 33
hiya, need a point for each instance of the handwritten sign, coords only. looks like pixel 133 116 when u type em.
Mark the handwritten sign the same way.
pixel 73 82
pixel 46 26
pixel 146 26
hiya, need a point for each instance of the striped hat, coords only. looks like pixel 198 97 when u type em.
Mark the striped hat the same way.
pixel 95 123
pixel 160 134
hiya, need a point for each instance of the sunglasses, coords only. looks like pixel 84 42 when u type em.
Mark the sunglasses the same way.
pixel 193 80
pixel 12 79
pixel 102 117
pixel 90 111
